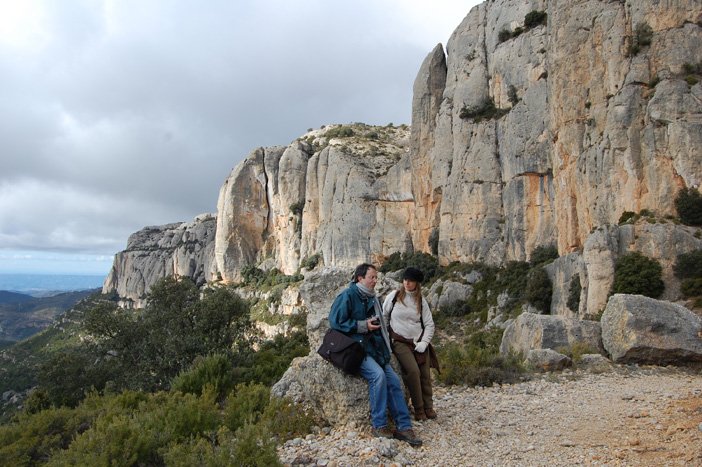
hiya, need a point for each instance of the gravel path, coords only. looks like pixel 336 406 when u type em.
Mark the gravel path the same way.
pixel 629 416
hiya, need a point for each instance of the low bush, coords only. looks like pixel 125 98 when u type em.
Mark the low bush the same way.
pixel 543 254
pixel 539 289
pixel 535 18
pixel 688 203
pixel 213 371
pixel 340 132
pixel 635 273
pixel 576 351
pixel 628 216
pixel 311 262
pixel 245 405
pixel 427 263
pixel 434 242
pixel 688 265
pixel 574 291
pixel 484 111
pixel 456 309
pixel 691 287
pixel 477 361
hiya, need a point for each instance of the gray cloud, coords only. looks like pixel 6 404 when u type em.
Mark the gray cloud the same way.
pixel 117 115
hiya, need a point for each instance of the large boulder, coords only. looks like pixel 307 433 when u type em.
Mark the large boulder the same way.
pixel 638 329
pixel 532 331
pixel 445 293
pixel 314 382
pixel 338 398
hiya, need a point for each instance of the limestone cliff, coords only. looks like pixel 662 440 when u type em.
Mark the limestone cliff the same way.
pixel 541 123
pixel 182 249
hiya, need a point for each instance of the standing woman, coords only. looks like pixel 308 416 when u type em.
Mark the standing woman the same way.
pixel 411 329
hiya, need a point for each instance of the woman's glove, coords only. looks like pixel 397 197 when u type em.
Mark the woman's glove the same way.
pixel 420 346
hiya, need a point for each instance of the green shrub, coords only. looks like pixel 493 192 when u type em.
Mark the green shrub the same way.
pixel 286 420
pixel 628 216
pixel 503 35
pixel 267 365
pixel 434 242
pixel 691 287
pixel 427 263
pixel 644 34
pixel 340 132
pixel 688 203
pixel 201 452
pixel 254 447
pixel 311 262
pixel 32 438
pixel 635 273
pixel 484 111
pixel 539 289
pixel 146 349
pixel 512 95
pixel 245 405
pixel 455 309
pixel 535 18
pixel 688 265
pixel 477 362
pixel 574 291
pixel 576 351
pixel 691 80
pixel 138 437
pixel 215 371
pixel 543 255
pixel 513 278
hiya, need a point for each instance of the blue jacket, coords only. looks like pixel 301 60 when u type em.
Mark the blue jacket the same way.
pixel 350 307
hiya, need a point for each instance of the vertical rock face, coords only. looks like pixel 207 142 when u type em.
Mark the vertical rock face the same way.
pixel 523 135
pixel 339 192
pixel 622 142
pixel 582 131
pixel 181 249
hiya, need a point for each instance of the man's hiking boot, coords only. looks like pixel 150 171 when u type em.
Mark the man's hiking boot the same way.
pixel 408 436
pixel 382 432
pixel 419 415
pixel 430 413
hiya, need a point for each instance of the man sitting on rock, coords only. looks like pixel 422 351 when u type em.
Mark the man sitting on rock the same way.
pixel 356 312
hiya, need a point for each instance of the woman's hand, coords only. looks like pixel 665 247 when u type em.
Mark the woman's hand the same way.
pixel 420 346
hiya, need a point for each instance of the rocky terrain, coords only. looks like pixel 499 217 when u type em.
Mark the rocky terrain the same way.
pixel 605 415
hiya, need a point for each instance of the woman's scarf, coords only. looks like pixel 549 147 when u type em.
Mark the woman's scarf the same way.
pixel 370 294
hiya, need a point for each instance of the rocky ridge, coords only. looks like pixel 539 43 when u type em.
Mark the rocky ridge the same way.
pixel 522 135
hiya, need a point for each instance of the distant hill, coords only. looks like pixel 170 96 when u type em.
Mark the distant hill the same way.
pixel 22 316
pixel 13 297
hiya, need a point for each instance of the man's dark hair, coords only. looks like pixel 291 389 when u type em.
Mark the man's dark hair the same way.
pixel 361 271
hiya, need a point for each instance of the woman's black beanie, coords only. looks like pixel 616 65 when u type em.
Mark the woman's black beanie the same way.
pixel 413 274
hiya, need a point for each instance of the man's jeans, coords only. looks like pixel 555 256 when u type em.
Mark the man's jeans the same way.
pixel 385 392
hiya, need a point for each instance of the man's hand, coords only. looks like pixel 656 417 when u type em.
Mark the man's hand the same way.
pixel 420 346
pixel 373 324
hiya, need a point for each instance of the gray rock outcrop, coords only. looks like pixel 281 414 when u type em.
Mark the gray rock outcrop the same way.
pixel 531 331
pixel 638 329
pixel 337 397
pixel 180 249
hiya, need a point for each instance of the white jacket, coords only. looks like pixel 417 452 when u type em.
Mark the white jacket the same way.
pixel 405 318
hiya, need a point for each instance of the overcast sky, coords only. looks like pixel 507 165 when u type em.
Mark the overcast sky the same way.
pixel 118 114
